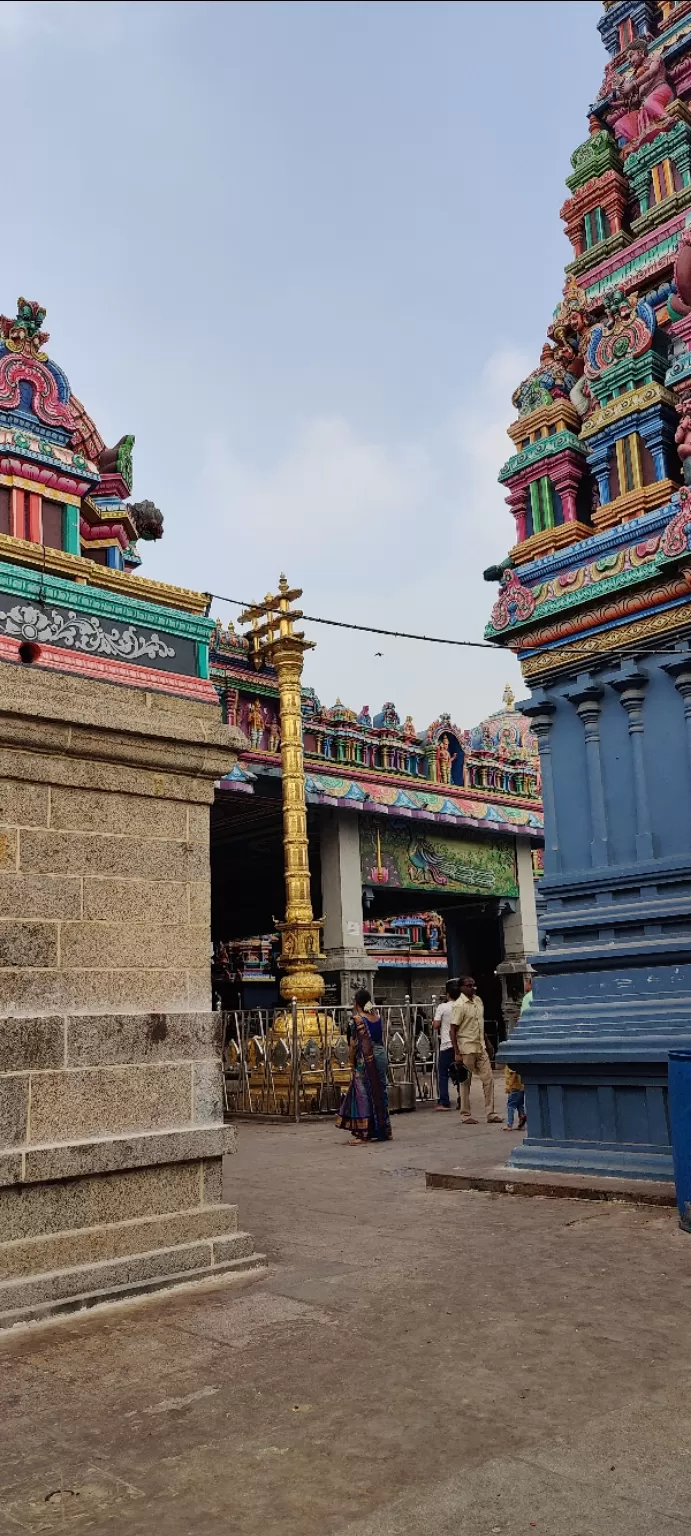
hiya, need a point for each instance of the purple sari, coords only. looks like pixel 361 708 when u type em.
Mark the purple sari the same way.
pixel 364 1107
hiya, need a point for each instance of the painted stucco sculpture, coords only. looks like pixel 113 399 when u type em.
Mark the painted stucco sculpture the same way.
pixel 595 599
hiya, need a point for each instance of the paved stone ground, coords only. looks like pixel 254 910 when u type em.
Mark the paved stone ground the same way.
pixel 414 1361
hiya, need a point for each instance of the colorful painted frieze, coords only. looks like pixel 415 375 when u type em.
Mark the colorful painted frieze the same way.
pixel 405 858
pixel 69 533
pixel 486 777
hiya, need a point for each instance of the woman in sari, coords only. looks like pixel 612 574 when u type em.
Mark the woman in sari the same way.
pixel 364 1107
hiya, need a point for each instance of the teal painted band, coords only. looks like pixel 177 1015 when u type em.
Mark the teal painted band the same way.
pixel 70 530
pixel 585 595
pixel 202 659
pixel 542 448
pixel 620 274
pixel 26 582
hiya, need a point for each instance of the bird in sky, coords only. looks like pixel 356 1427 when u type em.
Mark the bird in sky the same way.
pixel 379 653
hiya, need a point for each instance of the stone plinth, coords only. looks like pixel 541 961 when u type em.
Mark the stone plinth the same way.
pixel 111 1113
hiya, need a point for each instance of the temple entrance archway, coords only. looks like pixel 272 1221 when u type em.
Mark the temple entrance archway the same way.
pixel 247 896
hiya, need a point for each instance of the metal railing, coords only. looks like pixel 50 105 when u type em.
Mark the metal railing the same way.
pixel 293 1063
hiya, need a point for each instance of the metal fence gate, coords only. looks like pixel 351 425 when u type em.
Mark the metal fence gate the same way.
pixel 292 1063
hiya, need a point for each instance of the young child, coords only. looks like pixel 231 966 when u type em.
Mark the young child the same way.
pixel 515 1099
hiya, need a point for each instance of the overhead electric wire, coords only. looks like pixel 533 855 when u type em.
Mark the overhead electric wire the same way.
pixel 368 629
pixel 576 648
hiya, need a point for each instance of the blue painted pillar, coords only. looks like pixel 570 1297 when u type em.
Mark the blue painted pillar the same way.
pixel 631 690
pixel 588 702
pixel 655 434
pixel 680 673
pixel 598 459
pixel 541 723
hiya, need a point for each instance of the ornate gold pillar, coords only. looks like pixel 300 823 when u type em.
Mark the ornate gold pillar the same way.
pixel 276 640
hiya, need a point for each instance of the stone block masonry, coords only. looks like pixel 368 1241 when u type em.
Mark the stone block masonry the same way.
pixel 111 1114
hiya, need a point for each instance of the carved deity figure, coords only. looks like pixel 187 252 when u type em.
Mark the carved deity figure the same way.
pixel 255 722
pixel 553 379
pixel 445 758
pixel 628 327
pixel 679 303
pixel 24 334
pixel 409 732
pixel 641 96
pixel 569 332
pixel 274 734
pixel 682 438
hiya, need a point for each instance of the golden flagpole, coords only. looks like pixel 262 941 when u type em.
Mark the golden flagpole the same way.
pixel 276 640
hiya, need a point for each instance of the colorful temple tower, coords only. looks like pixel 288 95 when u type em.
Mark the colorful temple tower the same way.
pixel 595 598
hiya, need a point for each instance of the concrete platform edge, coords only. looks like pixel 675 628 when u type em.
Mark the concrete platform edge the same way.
pixel 504 1181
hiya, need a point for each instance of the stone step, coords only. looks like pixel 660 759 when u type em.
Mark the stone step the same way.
pixel 35 1256
pixel 87 1284
pixel 252 1265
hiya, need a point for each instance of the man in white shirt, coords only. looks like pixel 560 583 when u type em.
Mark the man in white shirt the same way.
pixel 468 1039
pixel 442 1022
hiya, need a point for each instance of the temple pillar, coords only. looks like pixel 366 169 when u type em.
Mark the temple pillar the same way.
pixel 566 478
pixel 346 955
pixel 598 459
pixel 516 500
pixel 680 672
pixel 520 936
pixel 631 690
pixel 588 704
pixel 541 722
pixel 657 433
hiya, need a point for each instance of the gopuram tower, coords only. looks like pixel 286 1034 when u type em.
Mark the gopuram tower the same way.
pixel 595 599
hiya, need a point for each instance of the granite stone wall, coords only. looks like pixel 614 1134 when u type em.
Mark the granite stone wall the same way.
pixel 111 1114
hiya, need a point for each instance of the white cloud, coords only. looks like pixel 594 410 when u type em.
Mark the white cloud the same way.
pixel 329 481
pixel 391 534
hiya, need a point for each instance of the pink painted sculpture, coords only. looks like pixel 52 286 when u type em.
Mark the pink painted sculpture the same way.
pixel 642 95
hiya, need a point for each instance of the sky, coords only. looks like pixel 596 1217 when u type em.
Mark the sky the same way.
pixel 305 252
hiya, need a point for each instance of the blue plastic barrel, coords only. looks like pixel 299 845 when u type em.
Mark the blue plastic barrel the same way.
pixel 679 1079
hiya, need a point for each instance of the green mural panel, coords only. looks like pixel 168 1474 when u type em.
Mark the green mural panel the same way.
pixel 399 855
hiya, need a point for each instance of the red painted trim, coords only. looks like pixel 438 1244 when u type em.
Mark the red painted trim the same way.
pixel 25 470
pixel 103 531
pixel 16 513
pixel 35 518
pixel 104 670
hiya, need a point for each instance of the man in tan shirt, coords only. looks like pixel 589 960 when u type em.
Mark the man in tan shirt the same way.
pixel 468 1039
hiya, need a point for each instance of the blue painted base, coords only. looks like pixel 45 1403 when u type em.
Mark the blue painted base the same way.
pixel 608 1118
pixel 606 1160
pixel 593 1048
pixel 612 990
